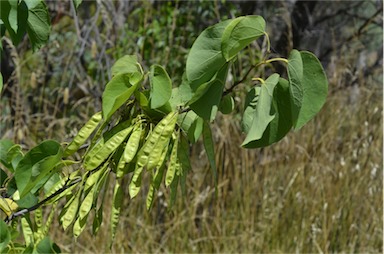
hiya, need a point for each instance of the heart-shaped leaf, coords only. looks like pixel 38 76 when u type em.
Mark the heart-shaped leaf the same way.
pixel 262 116
pixel 240 33
pixel 282 122
pixel 308 86
pixel 208 104
pixel 205 58
pixel 116 93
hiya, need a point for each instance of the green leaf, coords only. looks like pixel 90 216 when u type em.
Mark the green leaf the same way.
pixel 205 58
pixel 308 86
pixel 47 246
pixel 185 90
pixel 128 64
pixel 210 150
pixel 12 18
pixel 39 25
pixel 295 75
pixel 76 3
pixel 14 155
pixel 161 86
pixel 282 123
pixel 240 33
pixel 176 99
pixel 250 108
pixel 5 235
pixel 36 165
pixel 3 177
pixel 208 103
pixel 262 116
pixel 116 93
pixel 5 145
pixel 227 104
pixel 15 21
pixel 191 124
pixel 27 200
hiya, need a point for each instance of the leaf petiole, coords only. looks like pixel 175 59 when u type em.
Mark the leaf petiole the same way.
pixel 259 79
pixel 268 42
pixel 276 59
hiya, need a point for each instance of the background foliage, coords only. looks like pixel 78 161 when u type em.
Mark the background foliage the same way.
pixel 319 189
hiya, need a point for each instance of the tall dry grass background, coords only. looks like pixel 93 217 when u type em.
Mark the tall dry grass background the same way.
pixel 320 189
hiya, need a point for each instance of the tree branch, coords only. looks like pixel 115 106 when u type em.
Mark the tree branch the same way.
pixel 229 90
pixel 28 210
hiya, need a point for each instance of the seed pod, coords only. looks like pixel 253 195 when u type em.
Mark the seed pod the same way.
pixel 150 153
pixel 66 96
pixel 173 162
pixel 109 146
pixel 150 196
pixel 116 207
pixel 70 210
pixel 135 184
pixel 130 149
pixel 83 134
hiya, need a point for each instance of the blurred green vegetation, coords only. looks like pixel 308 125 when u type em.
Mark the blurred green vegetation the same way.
pixel 318 190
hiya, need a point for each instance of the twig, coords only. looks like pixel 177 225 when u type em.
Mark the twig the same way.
pixel 358 33
pixel 229 90
pixel 28 210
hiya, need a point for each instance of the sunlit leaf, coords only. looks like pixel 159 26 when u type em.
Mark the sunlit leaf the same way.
pixel 295 75
pixel 128 64
pixel 205 57
pixel 262 116
pixel 308 86
pixel 5 235
pixel 36 165
pixel 47 246
pixel 250 108
pixel 281 123
pixel 208 103
pixel 39 23
pixel 240 33
pixel 77 3
pixel 116 93
pixel 12 17
pixel 161 86
pixel 16 14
